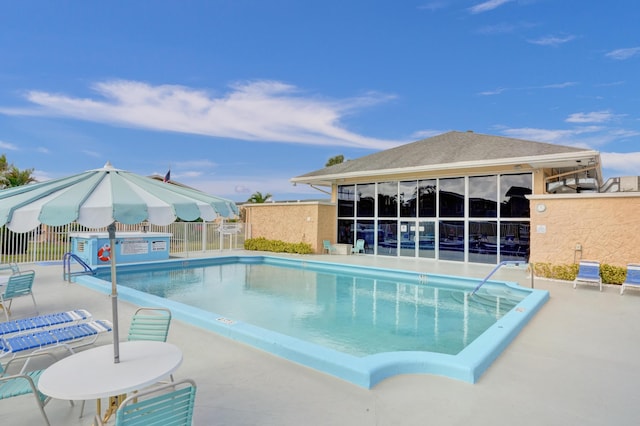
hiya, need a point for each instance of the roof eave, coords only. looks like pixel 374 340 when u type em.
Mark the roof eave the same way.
pixel 534 161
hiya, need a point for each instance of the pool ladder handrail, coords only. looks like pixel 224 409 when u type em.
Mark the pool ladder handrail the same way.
pixel 494 270
pixel 66 265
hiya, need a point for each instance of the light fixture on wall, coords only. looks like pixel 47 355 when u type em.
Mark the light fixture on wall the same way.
pixel 541 207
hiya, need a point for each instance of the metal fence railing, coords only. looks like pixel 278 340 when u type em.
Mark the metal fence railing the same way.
pixel 50 243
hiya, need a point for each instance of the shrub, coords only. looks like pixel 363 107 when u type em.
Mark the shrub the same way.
pixel 262 244
pixel 610 274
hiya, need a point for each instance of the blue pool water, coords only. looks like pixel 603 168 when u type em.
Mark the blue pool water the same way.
pixel 360 324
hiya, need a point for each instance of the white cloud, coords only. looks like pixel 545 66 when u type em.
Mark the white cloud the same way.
pixel 621 164
pixel 621 54
pixel 423 134
pixel 554 86
pixel 493 92
pixel 254 111
pixel 240 188
pixel 488 5
pixel 552 40
pixel 590 137
pixel 547 86
pixel 7 145
pixel 92 153
pixel 433 6
pixel 591 117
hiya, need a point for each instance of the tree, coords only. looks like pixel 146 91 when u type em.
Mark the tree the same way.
pixel 258 198
pixel 4 167
pixel 338 159
pixel 11 176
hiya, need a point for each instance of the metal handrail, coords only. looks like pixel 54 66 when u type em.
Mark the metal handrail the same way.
pixel 494 270
pixel 66 264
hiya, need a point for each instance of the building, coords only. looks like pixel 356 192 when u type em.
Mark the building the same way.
pixel 469 197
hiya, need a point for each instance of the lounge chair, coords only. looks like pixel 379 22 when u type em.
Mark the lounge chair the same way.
pixel 633 277
pixel 169 404
pixel 328 247
pixel 18 285
pixel 359 247
pixel 588 273
pixel 43 321
pixel 24 383
pixel 84 333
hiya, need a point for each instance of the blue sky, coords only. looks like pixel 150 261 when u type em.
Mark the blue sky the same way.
pixel 240 96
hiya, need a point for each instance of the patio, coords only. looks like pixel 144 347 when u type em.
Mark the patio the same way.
pixel 574 363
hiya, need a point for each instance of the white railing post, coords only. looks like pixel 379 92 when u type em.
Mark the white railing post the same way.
pixel 204 235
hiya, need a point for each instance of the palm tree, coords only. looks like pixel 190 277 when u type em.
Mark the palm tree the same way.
pixel 338 159
pixel 258 198
pixel 4 167
pixel 11 176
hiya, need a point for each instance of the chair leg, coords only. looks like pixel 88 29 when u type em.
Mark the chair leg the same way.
pixel 41 407
pixel 34 303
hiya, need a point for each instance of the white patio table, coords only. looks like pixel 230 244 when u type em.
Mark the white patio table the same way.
pixel 92 374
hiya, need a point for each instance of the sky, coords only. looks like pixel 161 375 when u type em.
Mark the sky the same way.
pixel 240 96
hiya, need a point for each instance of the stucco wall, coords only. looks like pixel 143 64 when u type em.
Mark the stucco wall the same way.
pixel 308 222
pixel 605 227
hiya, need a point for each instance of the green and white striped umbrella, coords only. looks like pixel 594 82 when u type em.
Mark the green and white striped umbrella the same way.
pixel 100 197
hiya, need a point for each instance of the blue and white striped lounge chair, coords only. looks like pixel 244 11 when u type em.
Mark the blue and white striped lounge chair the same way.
pixel 588 273
pixel 633 277
pixel 84 333
pixel 43 321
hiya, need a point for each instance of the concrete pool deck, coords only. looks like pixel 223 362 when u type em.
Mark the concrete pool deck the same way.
pixel 574 363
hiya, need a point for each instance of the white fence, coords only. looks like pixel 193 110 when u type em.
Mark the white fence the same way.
pixel 50 243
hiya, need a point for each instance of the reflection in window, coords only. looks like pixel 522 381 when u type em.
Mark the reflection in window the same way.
pixel 408 199
pixel 345 231
pixel 346 200
pixel 483 242
pixel 366 199
pixel 483 193
pixel 427 198
pixel 388 237
pixel 451 244
pixel 366 231
pixel 388 199
pixel 427 239
pixel 452 197
pixel 513 202
pixel 514 244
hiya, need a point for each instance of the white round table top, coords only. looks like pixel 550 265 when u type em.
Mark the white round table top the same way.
pixel 92 374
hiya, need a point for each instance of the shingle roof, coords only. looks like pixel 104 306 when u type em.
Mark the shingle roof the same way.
pixel 447 149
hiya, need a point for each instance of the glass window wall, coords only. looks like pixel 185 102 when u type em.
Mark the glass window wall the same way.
pixel 481 219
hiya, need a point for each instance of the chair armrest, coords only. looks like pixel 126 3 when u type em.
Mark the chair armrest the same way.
pixel 27 358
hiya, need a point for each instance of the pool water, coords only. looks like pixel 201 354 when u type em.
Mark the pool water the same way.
pixel 348 311
pixel 360 324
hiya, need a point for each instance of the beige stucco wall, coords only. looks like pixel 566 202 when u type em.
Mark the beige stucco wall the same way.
pixel 605 226
pixel 306 221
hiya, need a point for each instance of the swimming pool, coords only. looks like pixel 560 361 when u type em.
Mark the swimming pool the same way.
pixel 360 324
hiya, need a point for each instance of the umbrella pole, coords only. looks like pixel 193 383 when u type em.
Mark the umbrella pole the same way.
pixel 114 293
